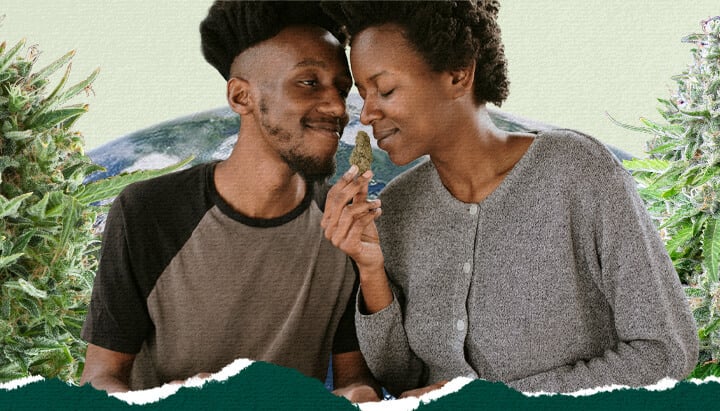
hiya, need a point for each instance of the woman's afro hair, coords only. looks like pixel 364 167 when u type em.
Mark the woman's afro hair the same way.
pixel 448 34
pixel 233 26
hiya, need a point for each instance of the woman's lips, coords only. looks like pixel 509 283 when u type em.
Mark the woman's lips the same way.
pixel 383 134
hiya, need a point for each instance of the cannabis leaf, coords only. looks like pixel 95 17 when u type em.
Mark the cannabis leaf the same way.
pixel 48 244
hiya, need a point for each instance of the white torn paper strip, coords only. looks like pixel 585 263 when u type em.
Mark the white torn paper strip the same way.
pixel 11 385
pixel 406 404
pixel 151 395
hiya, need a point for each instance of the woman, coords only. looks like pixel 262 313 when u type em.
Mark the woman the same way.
pixel 522 258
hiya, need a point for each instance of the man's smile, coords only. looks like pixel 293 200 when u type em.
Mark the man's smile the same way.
pixel 330 128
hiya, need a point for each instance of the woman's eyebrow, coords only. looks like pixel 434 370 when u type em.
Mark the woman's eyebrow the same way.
pixel 372 78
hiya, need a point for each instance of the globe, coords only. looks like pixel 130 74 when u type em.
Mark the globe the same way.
pixel 211 135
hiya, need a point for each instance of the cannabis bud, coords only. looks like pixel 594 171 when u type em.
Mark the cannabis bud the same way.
pixel 362 155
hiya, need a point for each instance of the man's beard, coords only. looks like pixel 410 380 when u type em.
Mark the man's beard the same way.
pixel 310 168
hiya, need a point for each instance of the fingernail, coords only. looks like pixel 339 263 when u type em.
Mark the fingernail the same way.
pixel 352 171
pixel 367 174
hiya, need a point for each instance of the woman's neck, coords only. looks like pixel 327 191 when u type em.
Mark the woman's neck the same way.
pixel 475 159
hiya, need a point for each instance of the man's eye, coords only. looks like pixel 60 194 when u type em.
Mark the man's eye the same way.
pixel 387 93
pixel 310 83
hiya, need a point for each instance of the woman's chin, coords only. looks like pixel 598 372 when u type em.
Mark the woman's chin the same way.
pixel 398 158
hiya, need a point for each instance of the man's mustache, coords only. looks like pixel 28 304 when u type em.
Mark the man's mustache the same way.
pixel 336 123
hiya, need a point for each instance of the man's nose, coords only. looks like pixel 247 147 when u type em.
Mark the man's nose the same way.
pixel 333 104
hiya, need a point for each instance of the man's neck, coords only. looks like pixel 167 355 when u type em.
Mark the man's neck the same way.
pixel 256 183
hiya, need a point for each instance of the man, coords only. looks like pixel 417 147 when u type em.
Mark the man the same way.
pixel 227 260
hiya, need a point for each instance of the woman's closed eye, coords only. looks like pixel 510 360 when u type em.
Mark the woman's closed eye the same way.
pixel 386 93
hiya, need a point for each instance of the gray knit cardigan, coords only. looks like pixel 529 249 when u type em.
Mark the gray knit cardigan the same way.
pixel 556 282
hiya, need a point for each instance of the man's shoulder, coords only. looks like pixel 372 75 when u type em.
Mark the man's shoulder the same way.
pixel 167 192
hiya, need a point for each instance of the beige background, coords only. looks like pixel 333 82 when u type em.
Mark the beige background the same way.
pixel 570 61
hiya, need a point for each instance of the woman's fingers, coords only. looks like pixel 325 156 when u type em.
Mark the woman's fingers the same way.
pixel 420 391
pixel 334 201
pixel 358 230
pixel 353 215
pixel 346 189
pixel 348 213
pixel 362 194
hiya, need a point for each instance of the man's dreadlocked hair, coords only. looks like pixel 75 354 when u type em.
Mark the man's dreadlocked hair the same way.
pixel 234 26
pixel 448 34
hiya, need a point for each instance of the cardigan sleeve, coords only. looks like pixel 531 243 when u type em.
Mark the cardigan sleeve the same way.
pixel 656 331
pixel 384 344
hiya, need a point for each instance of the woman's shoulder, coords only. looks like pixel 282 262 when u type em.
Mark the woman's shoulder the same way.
pixel 576 151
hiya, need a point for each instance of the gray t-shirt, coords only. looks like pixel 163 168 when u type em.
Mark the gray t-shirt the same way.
pixel 190 285
pixel 557 281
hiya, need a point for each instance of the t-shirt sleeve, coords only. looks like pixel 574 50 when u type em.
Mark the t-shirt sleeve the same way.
pixel 117 317
pixel 345 336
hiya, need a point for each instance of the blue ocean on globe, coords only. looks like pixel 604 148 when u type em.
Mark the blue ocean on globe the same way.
pixel 211 135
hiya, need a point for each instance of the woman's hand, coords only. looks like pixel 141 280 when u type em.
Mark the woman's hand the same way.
pixel 349 223
pixel 357 393
pixel 349 220
pixel 200 376
pixel 424 390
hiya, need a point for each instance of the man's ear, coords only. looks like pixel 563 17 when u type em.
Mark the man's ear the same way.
pixel 238 95
pixel 463 80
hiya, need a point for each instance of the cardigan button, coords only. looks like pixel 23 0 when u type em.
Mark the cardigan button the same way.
pixel 460 325
pixel 473 209
pixel 466 268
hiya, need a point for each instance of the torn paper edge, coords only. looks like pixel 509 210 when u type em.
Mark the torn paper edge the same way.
pixel 143 397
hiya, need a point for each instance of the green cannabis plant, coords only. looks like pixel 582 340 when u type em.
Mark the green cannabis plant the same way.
pixel 48 244
pixel 680 184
